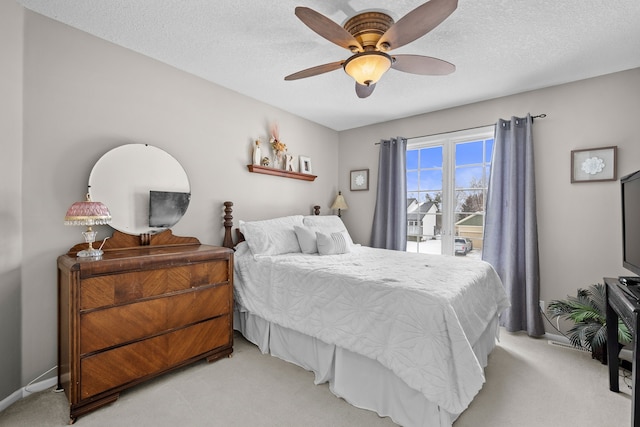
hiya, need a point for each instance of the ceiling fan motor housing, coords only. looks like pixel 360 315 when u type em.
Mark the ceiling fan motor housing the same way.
pixel 367 28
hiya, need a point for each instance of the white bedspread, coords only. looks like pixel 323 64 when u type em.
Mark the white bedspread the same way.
pixel 416 314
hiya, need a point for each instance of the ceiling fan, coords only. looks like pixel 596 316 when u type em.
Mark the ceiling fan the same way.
pixel 370 35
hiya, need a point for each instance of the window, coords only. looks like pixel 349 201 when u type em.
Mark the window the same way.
pixel 447 182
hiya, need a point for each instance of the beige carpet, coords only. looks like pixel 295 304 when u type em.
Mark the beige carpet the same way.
pixel 530 383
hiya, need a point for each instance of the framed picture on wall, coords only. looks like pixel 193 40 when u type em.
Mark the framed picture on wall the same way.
pixel 594 164
pixel 359 179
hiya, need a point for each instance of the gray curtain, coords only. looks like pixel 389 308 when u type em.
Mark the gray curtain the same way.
pixel 511 232
pixel 390 215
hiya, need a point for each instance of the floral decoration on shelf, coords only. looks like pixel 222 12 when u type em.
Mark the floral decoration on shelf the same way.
pixel 279 147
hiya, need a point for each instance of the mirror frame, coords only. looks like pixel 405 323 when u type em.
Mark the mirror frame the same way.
pixel 123 177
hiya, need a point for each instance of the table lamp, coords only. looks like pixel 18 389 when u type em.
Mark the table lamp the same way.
pixel 88 213
pixel 339 203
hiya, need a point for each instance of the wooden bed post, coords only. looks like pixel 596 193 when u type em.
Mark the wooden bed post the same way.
pixel 228 224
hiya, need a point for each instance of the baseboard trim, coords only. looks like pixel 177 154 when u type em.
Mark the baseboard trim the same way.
pixel 26 391
pixel 11 399
pixel 556 338
pixel 625 353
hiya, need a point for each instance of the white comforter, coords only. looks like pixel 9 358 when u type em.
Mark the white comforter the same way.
pixel 416 314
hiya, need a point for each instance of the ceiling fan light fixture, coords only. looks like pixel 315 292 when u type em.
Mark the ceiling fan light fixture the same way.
pixel 370 35
pixel 367 67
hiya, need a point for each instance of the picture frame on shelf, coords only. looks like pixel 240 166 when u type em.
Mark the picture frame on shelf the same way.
pixel 594 164
pixel 305 164
pixel 359 180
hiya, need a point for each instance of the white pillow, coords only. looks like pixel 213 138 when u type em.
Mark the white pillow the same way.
pixel 334 243
pixel 272 236
pixel 327 224
pixel 306 239
pixel 242 248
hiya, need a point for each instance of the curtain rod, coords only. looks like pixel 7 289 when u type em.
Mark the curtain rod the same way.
pixel 539 116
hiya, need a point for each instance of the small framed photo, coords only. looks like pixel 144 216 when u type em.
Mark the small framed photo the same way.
pixel 594 164
pixel 305 165
pixel 359 179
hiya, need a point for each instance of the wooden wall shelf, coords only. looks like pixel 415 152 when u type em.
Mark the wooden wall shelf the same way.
pixel 280 172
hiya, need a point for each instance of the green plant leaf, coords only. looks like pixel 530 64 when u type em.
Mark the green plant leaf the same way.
pixel 587 310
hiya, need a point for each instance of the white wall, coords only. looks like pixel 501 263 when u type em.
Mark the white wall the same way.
pixel 578 224
pixel 10 183
pixel 84 96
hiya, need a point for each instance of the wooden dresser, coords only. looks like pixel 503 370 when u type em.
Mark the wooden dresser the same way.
pixel 138 312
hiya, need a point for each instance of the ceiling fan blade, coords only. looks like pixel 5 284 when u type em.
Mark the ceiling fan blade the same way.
pixel 328 29
pixel 314 71
pixel 363 90
pixel 425 65
pixel 417 23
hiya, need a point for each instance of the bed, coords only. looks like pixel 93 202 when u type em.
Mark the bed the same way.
pixel 405 335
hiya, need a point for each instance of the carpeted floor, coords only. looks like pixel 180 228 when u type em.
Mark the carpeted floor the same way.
pixel 530 383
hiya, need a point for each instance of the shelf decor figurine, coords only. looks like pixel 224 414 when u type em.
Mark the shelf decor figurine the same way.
pixel 288 163
pixel 257 153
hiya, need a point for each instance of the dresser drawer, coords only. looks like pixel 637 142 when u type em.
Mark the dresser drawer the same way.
pixel 111 289
pixel 121 324
pixel 122 365
pixel 150 304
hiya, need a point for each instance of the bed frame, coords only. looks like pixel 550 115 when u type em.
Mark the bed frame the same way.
pixel 362 382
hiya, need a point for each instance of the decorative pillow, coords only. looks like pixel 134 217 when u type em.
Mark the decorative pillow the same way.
pixel 306 239
pixel 241 248
pixel 334 243
pixel 272 236
pixel 327 224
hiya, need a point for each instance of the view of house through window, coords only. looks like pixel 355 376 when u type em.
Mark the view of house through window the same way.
pixel 447 182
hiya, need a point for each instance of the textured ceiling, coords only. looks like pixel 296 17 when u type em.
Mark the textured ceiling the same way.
pixel 500 47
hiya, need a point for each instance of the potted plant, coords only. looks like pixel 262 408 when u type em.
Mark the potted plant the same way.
pixel 588 313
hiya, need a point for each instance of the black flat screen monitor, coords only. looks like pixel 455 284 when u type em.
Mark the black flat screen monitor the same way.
pixel 631 222
pixel 167 207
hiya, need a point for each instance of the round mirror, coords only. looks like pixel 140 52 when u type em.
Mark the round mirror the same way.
pixel 145 188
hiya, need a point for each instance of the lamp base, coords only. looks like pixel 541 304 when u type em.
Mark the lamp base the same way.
pixel 90 253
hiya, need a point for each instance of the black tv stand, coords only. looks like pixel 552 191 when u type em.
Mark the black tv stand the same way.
pixel 627 310
pixel 629 280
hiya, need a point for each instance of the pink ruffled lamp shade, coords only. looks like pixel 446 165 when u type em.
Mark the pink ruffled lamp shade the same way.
pixel 88 213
